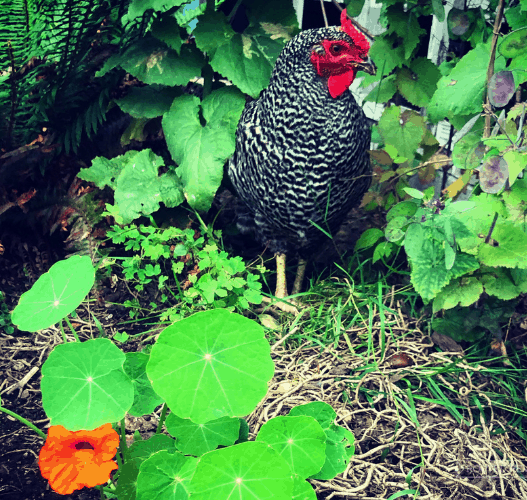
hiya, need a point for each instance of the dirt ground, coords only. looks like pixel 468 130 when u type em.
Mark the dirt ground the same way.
pixel 482 459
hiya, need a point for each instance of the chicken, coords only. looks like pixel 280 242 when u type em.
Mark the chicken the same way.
pixel 301 156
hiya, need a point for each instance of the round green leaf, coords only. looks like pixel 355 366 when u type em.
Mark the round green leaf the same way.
pixel 197 439
pixel 245 471
pixel 55 294
pixel 84 385
pixel 300 440
pixel 198 363
pixel 165 476
pixel 145 398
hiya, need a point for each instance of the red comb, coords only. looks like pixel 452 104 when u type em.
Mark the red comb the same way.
pixel 359 40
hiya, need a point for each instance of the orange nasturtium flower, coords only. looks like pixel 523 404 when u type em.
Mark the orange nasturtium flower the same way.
pixel 72 460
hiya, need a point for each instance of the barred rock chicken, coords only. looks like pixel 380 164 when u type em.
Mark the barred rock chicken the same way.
pixel 300 159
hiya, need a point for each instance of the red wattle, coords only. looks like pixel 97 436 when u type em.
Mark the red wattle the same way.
pixel 338 84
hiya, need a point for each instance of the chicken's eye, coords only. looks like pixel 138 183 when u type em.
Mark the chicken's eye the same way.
pixel 336 49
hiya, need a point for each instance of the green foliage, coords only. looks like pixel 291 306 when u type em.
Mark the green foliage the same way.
pixel 139 189
pixel 207 274
pixel 195 368
pixel 5 318
pixel 452 262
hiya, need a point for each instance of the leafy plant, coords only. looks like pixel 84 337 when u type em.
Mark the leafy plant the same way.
pixel 5 317
pixel 200 269
pixel 194 370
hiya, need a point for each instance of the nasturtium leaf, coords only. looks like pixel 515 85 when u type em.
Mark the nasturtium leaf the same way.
pixel 143 449
pixel 197 439
pixel 145 398
pixel 197 364
pixel 246 471
pixel 165 476
pixel 84 385
pixel 201 151
pixel 138 453
pixel 339 441
pixel 462 291
pixel 340 448
pixel 302 490
pixel 148 102
pixel 55 294
pixel 493 174
pixel 300 440
pixel 461 92
pixel 323 413
pixel 514 44
pixel 501 88
pixel 402 129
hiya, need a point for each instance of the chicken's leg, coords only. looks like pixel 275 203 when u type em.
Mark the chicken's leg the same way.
pixel 299 278
pixel 281 284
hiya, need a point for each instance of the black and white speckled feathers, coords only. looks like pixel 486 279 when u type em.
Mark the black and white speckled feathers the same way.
pixel 300 154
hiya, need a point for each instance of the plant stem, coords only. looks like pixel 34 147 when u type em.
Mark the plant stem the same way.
pixel 487 239
pixel 490 70
pixel 24 421
pixel 162 418
pixel 72 329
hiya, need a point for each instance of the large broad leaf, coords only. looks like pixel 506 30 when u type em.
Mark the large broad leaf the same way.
pixel 339 441
pixel 196 439
pixel 84 385
pixel 300 440
pixel 197 364
pixel 201 151
pixel 462 91
pixel 403 130
pixel 148 102
pixel 139 189
pixel 165 476
pixel 246 59
pixel 139 7
pixel 151 61
pixel 510 248
pixel 418 83
pixel 145 398
pixel 246 471
pixel 405 24
pixel 55 294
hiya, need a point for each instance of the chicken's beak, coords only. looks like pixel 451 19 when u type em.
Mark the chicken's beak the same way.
pixel 367 66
